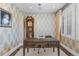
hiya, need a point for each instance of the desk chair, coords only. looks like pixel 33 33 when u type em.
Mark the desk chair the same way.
pixel 49 36
pixel 41 45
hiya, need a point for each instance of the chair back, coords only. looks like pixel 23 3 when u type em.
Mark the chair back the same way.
pixel 48 36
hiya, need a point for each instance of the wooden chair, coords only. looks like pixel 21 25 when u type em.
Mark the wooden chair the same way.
pixel 49 36
pixel 42 45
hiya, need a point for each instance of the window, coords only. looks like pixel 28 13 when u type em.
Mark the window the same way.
pixel 63 25
pixel 68 22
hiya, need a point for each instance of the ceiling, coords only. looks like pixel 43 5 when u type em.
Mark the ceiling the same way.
pixel 39 7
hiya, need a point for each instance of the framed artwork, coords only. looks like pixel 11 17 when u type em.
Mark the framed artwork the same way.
pixel 5 18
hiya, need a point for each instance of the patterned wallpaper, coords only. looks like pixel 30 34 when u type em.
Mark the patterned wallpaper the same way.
pixel 11 37
pixel 43 24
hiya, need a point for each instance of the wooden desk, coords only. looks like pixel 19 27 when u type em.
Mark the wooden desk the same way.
pixel 41 43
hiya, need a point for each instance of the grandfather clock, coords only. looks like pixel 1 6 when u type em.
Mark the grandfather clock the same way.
pixel 30 27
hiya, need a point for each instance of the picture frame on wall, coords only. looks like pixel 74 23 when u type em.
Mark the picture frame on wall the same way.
pixel 5 18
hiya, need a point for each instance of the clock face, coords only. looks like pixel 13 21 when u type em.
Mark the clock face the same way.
pixel 29 23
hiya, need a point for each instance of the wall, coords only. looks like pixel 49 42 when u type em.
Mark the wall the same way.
pixel 11 37
pixel 77 21
pixel 70 43
pixel 43 24
pixel 73 43
pixel 69 21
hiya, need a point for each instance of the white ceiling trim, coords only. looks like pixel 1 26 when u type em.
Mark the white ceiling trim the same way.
pixel 38 8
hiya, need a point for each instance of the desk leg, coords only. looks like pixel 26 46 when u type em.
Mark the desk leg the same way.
pixel 23 51
pixel 58 51
pixel 27 49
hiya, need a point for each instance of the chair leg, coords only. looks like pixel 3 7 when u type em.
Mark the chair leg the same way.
pixel 34 49
pixel 53 49
pixel 27 50
pixel 38 50
pixel 44 50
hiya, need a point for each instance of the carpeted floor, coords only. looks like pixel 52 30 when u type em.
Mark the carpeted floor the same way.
pixel 49 52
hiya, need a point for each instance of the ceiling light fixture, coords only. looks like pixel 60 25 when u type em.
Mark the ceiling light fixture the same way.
pixel 39 4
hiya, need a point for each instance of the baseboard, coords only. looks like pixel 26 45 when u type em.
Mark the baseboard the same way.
pixel 13 51
pixel 67 50
pixel 70 51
